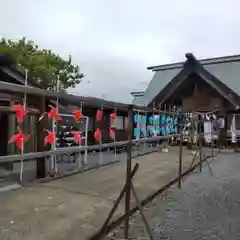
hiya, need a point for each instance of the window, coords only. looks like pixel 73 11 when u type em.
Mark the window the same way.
pixel 117 123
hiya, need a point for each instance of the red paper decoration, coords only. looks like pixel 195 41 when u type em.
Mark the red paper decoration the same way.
pixel 112 132
pixel 99 115
pixel 113 116
pixel 53 114
pixel 50 138
pixel 20 112
pixel 97 135
pixel 77 137
pixel 18 138
pixel 77 115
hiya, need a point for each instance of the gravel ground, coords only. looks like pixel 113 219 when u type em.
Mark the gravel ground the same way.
pixel 206 208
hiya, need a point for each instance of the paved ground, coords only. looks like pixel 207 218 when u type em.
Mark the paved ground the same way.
pixel 75 207
pixel 206 208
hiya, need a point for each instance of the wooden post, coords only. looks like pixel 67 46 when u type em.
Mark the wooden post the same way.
pixel 128 171
pixel 115 206
pixel 41 125
pixel 180 150
pixel 92 115
pixel 11 131
pixel 124 123
pixel 225 130
pixel 200 142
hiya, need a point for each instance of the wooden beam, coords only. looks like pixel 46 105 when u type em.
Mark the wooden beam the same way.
pixel 18 75
pixel 73 99
pixel 69 98
pixel 205 75
pixel 169 89
pixel 12 74
pixel 31 111
pixel 6 97
pixel 41 162
pixel 128 173
pixel 68 150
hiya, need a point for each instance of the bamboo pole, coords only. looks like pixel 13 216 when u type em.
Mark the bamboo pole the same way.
pixel 79 143
pixel 100 153
pixel 180 151
pixel 41 162
pixel 116 204
pixel 24 104
pixel 114 139
pixel 54 129
pixel 68 150
pixel 128 172
pixel 140 207
pixel 86 142
pixel 200 144
pixel 138 131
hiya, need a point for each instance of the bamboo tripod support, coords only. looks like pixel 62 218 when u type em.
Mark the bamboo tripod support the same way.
pixel 123 192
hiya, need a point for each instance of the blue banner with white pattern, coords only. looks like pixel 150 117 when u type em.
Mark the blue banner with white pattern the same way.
pixel 148 125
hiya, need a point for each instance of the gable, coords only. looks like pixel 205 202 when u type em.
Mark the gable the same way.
pixel 225 69
pixel 159 81
pixel 228 73
pixel 192 66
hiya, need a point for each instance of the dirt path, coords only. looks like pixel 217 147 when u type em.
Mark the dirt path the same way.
pixel 75 207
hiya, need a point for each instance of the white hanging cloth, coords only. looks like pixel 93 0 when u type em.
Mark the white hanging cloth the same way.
pixel 233 129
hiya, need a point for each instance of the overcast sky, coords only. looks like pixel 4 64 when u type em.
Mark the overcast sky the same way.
pixel 113 41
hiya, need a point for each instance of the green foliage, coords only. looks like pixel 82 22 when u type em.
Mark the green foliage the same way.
pixel 44 65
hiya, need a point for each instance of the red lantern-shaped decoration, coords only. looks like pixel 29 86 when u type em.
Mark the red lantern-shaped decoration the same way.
pixel 19 139
pixel 112 132
pixel 99 115
pixel 113 116
pixel 77 137
pixel 53 114
pixel 97 135
pixel 50 138
pixel 77 115
pixel 20 112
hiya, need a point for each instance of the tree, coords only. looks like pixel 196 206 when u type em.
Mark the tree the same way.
pixel 44 65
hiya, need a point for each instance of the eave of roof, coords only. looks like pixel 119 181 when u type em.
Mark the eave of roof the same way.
pixel 137 94
pixel 8 65
pixel 196 66
pixel 207 61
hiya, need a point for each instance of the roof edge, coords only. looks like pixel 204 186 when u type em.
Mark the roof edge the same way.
pixel 206 61
pixel 137 93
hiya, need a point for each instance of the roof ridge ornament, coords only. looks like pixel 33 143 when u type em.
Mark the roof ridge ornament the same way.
pixel 190 57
